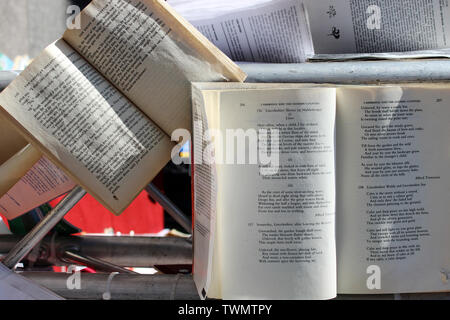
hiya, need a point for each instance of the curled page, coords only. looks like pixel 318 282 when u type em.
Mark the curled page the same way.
pixel 151 55
pixel 270 31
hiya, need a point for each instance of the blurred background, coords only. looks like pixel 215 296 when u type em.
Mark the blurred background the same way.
pixel 28 26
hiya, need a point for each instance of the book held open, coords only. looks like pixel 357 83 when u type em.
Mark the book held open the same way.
pixel 102 102
pixel 357 202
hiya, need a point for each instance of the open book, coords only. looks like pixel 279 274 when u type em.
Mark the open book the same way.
pixel 306 191
pixel 27 178
pixel 103 101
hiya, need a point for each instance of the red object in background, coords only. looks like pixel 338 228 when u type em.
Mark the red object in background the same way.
pixel 142 216
pixel 4 220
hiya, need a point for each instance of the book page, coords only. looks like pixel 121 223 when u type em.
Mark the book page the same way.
pixel 41 184
pixel 272 32
pixel 11 141
pixel 277 238
pixel 351 26
pixel 12 170
pixel 86 126
pixel 204 177
pixel 16 156
pixel 151 55
pixel 199 9
pixel 393 187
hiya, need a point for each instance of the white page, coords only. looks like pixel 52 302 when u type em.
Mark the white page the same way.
pixel 347 26
pixel 393 187
pixel 275 31
pixel 147 52
pixel 201 9
pixel 275 243
pixel 204 199
pixel 15 287
pixel 93 132
pixel 42 183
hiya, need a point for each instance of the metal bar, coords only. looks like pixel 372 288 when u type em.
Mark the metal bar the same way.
pixel 162 287
pixel 171 208
pixel 97 264
pixel 125 251
pixel 35 236
pixel 332 72
pixel 93 286
pixel 349 72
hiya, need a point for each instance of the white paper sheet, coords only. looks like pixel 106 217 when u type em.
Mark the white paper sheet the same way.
pixel 42 183
pixel 350 26
pixel 257 31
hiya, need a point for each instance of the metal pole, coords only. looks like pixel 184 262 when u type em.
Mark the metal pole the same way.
pixel 35 236
pixel 349 72
pixel 344 72
pixel 121 286
pixel 172 209
pixel 124 251
pixel 97 264
pixel 164 287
